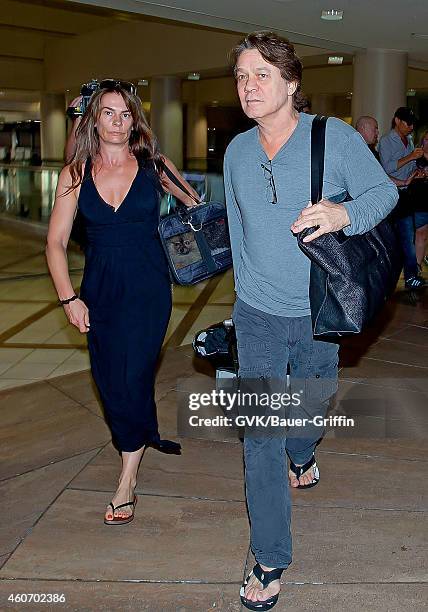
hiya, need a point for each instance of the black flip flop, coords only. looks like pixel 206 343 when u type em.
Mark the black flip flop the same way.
pixel 265 578
pixel 298 470
pixel 117 520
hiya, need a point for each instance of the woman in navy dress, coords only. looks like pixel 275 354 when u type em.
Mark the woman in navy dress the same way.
pixel 114 179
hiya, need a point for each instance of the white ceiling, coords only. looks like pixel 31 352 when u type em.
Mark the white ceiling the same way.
pixel 387 24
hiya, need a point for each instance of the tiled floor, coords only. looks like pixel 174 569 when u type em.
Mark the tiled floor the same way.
pixel 360 537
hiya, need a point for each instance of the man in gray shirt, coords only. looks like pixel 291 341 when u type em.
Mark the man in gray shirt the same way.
pixel 398 157
pixel 397 154
pixel 267 183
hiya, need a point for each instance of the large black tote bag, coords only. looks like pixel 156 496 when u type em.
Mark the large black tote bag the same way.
pixel 351 276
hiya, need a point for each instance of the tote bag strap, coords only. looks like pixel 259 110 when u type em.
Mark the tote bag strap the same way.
pixel 317 156
pixel 177 183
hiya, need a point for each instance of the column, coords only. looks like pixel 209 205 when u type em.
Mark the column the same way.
pixel 166 116
pixel 197 136
pixel 323 104
pixel 52 127
pixel 380 85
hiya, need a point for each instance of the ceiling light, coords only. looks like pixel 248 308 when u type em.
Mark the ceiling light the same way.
pixel 332 15
pixel 335 59
pixel 193 76
pixel 416 35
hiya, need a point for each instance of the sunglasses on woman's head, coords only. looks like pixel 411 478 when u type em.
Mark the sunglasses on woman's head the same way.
pixel 115 83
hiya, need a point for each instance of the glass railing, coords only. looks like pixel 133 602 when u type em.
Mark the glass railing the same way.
pixel 28 192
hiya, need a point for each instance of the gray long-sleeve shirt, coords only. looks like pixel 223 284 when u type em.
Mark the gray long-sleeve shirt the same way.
pixel 391 149
pixel 271 272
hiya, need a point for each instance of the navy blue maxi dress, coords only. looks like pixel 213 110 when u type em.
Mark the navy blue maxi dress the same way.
pixel 127 289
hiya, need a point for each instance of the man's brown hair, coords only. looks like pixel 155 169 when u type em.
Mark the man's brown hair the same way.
pixel 279 52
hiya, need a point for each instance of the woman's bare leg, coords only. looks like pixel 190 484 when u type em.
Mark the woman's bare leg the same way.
pixel 127 483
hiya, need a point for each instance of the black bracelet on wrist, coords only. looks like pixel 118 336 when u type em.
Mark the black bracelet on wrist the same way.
pixel 73 297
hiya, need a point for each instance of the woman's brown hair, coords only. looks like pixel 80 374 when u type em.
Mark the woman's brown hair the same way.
pixel 277 51
pixel 142 141
pixel 424 137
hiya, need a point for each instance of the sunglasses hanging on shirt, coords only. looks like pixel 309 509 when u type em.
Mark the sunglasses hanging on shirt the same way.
pixel 271 195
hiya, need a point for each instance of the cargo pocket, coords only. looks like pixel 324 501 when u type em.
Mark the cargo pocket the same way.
pixel 254 360
pixel 254 350
pixel 321 376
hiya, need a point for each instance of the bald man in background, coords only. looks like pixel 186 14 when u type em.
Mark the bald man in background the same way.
pixel 368 128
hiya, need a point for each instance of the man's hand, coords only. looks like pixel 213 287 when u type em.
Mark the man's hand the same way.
pixel 330 217
pixel 417 153
pixel 408 180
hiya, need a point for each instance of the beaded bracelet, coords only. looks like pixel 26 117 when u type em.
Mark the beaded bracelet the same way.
pixel 73 297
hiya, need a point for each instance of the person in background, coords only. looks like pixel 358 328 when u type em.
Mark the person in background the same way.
pixel 418 192
pixel 398 157
pixel 368 128
pixel 70 145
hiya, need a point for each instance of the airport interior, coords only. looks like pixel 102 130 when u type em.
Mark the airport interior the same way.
pixel 360 537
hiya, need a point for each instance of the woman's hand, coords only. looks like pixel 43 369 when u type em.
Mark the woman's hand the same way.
pixel 189 202
pixel 419 173
pixel 78 315
pixel 171 188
